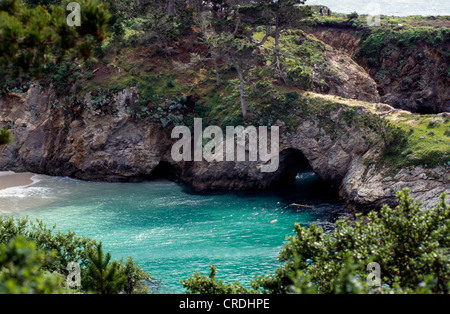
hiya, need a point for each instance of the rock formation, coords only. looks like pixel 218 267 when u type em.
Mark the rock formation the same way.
pixel 94 146
pixel 410 78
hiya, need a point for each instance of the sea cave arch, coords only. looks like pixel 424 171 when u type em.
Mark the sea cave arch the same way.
pixel 245 175
pixel 292 161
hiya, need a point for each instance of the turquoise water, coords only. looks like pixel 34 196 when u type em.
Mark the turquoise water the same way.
pixel 173 232
pixel 387 7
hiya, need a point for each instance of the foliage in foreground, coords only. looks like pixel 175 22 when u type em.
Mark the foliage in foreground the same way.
pixel 21 272
pixel 103 276
pixel 35 259
pixel 410 244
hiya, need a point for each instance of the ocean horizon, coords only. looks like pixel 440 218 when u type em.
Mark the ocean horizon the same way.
pixel 385 7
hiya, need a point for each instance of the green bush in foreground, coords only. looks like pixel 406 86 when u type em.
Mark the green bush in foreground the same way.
pixel 102 276
pixel 34 259
pixel 410 244
pixel 21 269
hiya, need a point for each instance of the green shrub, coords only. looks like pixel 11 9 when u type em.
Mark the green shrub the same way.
pixel 5 136
pixel 409 243
pixel 64 248
pixel 21 272
pixel 447 132
pixel 432 123
pixel 352 15
pixel 199 284
pixel 300 77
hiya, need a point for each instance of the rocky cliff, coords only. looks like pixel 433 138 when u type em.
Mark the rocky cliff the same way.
pixel 409 66
pixel 91 147
pixel 87 122
pixel 329 136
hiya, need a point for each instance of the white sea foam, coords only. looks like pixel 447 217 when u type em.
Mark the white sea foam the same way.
pixel 21 198
pixel 162 227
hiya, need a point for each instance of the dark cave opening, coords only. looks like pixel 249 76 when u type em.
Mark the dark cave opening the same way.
pixel 165 170
pixel 297 181
pixel 294 177
pixel 292 161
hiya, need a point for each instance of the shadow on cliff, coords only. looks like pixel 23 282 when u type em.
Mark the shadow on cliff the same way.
pixel 294 182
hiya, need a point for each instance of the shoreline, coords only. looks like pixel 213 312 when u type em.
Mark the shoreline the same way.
pixel 10 179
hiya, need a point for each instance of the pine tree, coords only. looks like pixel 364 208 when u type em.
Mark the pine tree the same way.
pixel 103 276
pixel 240 54
pixel 32 36
pixel 276 17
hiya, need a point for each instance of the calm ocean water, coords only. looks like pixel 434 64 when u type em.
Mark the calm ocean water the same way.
pixel 173 232
pixel 387 7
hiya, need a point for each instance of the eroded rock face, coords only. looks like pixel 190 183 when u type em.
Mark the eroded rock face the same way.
pixel 415 80
pixel 341 76
pixel 344 39
pixel 94 146
pixel 334 72
pixel 376 187
pixel 346 78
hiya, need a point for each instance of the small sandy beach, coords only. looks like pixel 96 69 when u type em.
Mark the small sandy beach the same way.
pixel 9 179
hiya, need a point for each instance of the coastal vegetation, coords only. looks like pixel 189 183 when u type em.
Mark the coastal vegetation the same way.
pixel 234 63
pixel 5 136
pixel 409 244
pixel 34 259
pixel 182 70
pixel 32 37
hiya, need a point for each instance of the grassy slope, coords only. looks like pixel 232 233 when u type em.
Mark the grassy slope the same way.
pixel 386 21
pixel 393 33
pixel 175 89
pixel 426 137
pixel 428 140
